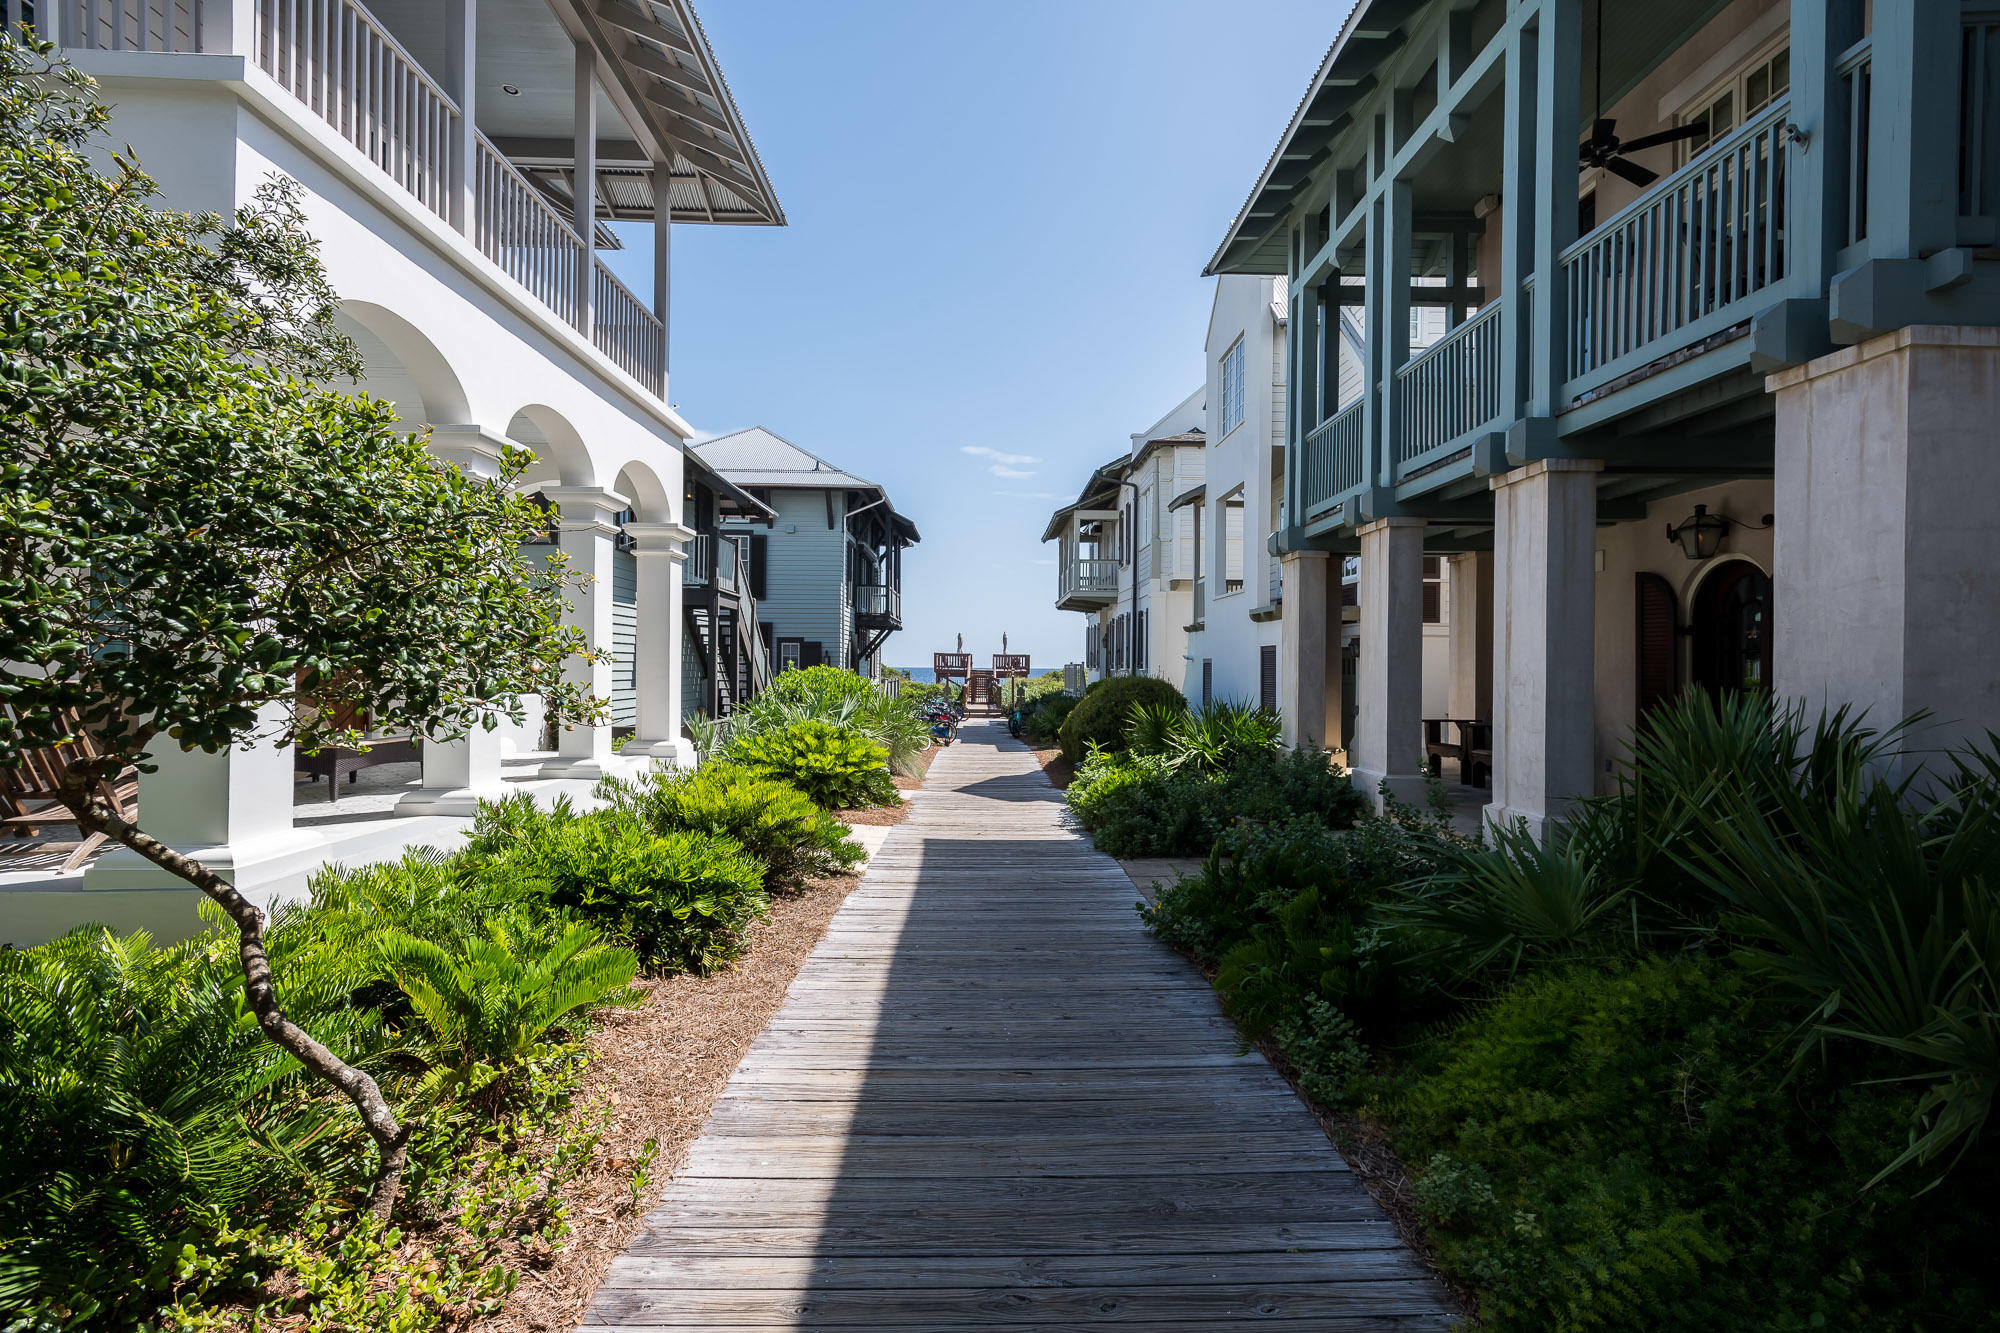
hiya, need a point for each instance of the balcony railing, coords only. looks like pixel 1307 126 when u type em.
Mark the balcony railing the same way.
pixel 1089 576
pixel 625 330
pixel 1333 463
pixel 337 59
pixel 1682 261
pixel 516 228
pixel 698 570
pixel 1450 391
pixel 876 601
pixel 344 66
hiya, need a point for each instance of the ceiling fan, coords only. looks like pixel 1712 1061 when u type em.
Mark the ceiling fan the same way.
pixel 1605 149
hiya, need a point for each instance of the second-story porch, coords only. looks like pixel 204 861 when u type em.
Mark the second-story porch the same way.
pixel 1090 553
pixel 1743 199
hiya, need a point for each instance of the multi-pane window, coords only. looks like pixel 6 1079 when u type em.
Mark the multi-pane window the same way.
pixel 1232 387
pixel 1433 590
pixel 1754 86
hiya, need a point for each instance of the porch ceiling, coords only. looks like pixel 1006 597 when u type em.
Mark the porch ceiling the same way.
pixel 1373 39
pixel 660 89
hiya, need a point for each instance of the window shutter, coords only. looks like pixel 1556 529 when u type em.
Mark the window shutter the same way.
pixel 1433 590
pixel 1207 680
pixel 758 547
pixel 1350 594
pixel 1658 650
pixel 810 653
pixel 1267 677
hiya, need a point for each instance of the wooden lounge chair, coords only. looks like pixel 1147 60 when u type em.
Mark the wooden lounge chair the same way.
pixel 28 803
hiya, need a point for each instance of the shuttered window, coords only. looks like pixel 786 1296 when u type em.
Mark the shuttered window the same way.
pixel 1267 677
pixel 1207 681
pixel 1433 590
pixel 1658 646
pixel 758 547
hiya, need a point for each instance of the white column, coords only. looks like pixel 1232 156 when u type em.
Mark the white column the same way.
pixel 657 735
pixel 227 26
pixel 461 772
pixel 231 811
pixel 583 185
pixel 587 533
pixel 1544 648
pixel 663 264
pixel 1390 746
pixel 461 60
pixel 1469 629
pixel 1305 686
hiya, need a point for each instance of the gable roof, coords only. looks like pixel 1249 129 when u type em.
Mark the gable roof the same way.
pixel 761 457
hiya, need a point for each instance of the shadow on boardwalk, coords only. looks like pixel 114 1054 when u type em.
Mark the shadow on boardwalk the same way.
pixel 991 1101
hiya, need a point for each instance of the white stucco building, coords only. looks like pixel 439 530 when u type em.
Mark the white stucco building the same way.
pixel 1126 556
pixel 463 163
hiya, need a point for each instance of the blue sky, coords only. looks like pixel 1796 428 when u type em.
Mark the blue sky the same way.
pixel 991 277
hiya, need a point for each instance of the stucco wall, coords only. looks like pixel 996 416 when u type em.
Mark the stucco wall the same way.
pixel 1627 550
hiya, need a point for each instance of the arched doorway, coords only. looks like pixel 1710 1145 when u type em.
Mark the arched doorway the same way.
pixel 1731 626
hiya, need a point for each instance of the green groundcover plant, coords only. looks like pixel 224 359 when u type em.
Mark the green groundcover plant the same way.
pixel 1100 719
pixel 1715 1054
pixel 838 767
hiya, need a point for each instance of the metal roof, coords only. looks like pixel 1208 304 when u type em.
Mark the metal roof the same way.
pixel 746 505
pixel 1254 244
pixel 760 457
pixel 1094 486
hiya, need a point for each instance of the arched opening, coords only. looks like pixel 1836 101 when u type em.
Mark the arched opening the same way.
pixel 402 366
pixel 560 456
pixel 1730 625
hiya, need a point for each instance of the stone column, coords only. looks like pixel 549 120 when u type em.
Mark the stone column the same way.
pixel 1390 746
pixel 588 531
pixel 231 811
pixel 1885 593
pixel 460 773
pixel 658 676
pixel 1544 648
pixel 1303 636
pixel 1470 635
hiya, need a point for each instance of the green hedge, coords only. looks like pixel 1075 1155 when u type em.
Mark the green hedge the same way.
pixel 1106 709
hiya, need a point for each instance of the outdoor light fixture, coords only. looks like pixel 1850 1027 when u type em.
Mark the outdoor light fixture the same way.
pixel 1700 536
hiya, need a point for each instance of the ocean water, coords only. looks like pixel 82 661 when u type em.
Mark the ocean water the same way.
pixel 924 674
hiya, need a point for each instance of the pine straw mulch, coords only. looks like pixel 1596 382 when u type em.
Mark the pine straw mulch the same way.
pixel 1058 768
pixel 663 1065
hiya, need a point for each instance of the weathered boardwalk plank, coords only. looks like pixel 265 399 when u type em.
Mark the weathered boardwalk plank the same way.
pixel 990 1101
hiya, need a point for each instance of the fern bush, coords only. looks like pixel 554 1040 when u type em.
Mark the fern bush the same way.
pixel 483 1007
pixel 680 900
pixel 773 821
pixel 838 698
pixel 840 768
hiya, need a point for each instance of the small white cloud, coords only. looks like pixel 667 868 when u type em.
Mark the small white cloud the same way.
pixel 981 451
pixel 1011 473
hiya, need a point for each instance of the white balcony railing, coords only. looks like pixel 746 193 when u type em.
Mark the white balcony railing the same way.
pixel 516 228
pixel 625 330
pixel 122 25
pixel 1682 260
pixel 1449 391
pixel 337 59
pixel 1089 576
pixel 344 66
pixel 1333 463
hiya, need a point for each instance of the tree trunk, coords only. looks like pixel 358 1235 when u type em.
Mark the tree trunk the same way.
pixel 95 815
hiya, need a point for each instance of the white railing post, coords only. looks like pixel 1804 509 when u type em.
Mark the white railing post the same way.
pixel 583 185
pixel 461 36
pixel 229 27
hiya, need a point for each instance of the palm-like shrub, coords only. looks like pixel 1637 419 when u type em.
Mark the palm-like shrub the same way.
pixel 125 1130
pixel 839 698
pixel 840 768
pixel 1212 738
pixel 774 821
pixel 1044 717
pixel 485 1005
pixel 680 900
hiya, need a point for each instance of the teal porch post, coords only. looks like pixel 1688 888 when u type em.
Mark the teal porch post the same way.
pixel 1517 223
pixel 1558 117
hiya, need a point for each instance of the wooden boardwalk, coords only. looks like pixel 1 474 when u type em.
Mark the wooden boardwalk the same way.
pixel 992 1101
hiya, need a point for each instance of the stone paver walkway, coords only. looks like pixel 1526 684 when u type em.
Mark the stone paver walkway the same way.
pixel 992 1101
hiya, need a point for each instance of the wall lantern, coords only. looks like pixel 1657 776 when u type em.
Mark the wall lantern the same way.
pixel 1700 536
